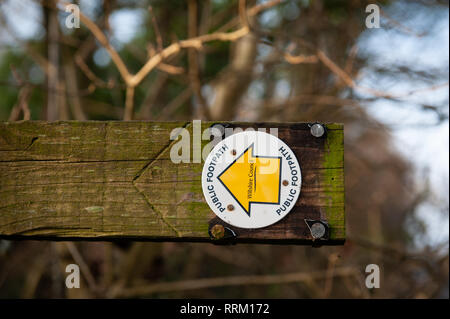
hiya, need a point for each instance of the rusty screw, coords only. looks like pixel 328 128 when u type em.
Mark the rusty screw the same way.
pixel 217 231
pixel 233 152
pixel 230 207
pixel 285 183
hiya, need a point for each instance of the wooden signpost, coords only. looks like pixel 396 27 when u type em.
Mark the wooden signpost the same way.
pixel 116 180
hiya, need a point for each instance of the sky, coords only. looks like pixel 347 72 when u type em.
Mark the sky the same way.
pixel 414 132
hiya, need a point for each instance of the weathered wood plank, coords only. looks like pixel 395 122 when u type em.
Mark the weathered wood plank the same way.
pixel 115 180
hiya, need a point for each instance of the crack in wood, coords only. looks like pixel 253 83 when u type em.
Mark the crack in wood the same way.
pixel 34 139
pixel 177 232
pixel 145 168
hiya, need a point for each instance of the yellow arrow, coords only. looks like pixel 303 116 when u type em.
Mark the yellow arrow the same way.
pixel 253 179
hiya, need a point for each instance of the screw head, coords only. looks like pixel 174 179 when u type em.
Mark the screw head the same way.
pixel 285 183
pixel 217 231
pixel 317 130
pixel 230 207
pixel 317 230
pixel 233 152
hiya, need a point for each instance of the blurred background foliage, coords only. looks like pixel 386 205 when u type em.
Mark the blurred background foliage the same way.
pixel 255 78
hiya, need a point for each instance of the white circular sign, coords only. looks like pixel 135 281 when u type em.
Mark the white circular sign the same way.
pixel 251 179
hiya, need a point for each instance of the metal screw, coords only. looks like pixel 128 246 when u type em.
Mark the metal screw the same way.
pixel 217 231
pixel 285 183
pixel 233 152
pixel 317 130
pixel 317 230
pixel 230 207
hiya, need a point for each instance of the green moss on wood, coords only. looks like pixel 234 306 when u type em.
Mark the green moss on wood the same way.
pixel 332 180
pixel 105 180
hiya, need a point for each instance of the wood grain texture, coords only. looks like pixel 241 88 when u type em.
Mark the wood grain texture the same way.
pixel 115 180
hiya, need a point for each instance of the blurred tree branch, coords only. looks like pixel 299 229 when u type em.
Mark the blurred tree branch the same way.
pixel 132 81
pixel 205 283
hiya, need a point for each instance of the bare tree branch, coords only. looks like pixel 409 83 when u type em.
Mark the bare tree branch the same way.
pixel 205 283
